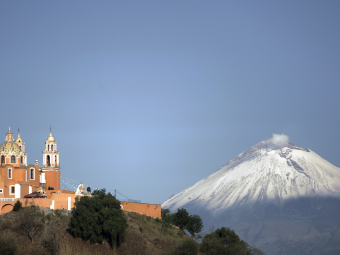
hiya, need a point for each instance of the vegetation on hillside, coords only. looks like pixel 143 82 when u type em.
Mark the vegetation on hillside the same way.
pixel 49 234
pixel 17 206
pixel 192 223
pixel 40 231
pixel 98 218
pixel 226 241
pixel 220 242
pixel 30 231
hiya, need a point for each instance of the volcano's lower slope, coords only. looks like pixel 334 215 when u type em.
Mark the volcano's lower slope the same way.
pixel 284 199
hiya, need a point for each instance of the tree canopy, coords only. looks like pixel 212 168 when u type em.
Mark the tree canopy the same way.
pixel 181 218
pixel 192 223
pixel 98 218
pixel 167 215
pixel 226 241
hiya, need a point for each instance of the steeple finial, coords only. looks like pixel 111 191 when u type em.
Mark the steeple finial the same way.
pixel 9 136
pixel 50 138
pixel 18 140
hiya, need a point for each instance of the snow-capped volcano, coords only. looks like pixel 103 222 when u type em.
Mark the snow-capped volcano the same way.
pixel 283 198
pixel 265 172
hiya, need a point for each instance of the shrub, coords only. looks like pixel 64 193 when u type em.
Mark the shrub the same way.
pixel 7 246
pixel 17 206
pixel 5 224
pixel 226 241
pixel 187 247
pixel 58 213
pixel 98 218
pixel 31 221
pixel 51 237
pixel 51 243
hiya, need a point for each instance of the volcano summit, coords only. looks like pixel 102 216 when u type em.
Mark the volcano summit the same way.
pixel 281 197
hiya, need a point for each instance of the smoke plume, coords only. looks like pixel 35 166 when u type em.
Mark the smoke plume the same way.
pixel 279 140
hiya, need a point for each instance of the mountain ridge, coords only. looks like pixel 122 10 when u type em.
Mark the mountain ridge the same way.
pixel 265 172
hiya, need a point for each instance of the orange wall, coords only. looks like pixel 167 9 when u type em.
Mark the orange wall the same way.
pixel 18 176
pixel 152 210
pixel 36 202
pixel 6 208
pixel 66 192
pixel 52 179
pixel 60 202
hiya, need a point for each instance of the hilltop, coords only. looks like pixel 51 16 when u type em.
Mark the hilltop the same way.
pixel 145 235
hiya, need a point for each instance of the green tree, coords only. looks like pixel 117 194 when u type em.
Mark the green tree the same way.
pixel 167 215
pixel 194 225
pixel 98 218
pixel 226 241
pixel 17 206
pixel 180 218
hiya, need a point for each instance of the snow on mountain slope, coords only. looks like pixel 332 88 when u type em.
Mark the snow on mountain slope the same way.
pixel 264 173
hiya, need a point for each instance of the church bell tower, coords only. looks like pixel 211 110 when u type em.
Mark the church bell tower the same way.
pixel 51 166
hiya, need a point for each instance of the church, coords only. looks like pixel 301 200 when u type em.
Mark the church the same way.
pixel 17 180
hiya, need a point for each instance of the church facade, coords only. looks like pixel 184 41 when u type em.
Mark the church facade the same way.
pixel 18 179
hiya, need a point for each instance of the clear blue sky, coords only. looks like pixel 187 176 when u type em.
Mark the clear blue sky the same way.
pixel 149 97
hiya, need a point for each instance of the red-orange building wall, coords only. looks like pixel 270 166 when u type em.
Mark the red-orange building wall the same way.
pixel 60 202
pixel 152 210
pixel 20 175
pixel 52 179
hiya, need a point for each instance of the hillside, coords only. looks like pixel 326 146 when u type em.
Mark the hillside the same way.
pixel 49 235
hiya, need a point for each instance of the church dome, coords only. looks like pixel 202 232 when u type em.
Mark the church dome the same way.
pixel 50 138
pixel 18 140
pixel 9 147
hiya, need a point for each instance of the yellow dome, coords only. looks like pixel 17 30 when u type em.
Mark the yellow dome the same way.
pixel 9 147
pixel 18 140
pixel 50 138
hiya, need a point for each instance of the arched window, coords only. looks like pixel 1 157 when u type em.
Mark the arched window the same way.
pixel 56 160
pixel 32 173
pixel 9 173
pixel 2 159
pixel 21 160
pixel 13 159
pixel 48 161
pixel 48 147
pixel 52 147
